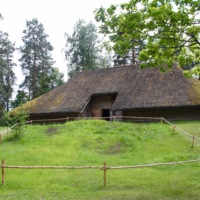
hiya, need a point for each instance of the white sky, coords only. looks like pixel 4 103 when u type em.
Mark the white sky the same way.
pixel 57 16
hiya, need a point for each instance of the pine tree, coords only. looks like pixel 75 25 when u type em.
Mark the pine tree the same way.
pixel 7 76
pixel 36 60
pixel 21 98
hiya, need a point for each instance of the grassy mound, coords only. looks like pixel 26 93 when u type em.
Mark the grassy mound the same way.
pixel 90 143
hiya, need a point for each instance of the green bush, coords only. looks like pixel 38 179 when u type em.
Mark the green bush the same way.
pixel 16 122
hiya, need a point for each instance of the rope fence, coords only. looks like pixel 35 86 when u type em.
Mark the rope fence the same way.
pixel 182 131
pixel 111 118
pixel 104 168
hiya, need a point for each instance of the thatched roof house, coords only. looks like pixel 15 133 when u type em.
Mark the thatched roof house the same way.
pixel 124 91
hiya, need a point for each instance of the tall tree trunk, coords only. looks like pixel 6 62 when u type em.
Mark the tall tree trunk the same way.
pixel 8 83
pixel 133 56
pixel 7 105
pixel 34 77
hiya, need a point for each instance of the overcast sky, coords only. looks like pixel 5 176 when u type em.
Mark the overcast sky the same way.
pixel 57 16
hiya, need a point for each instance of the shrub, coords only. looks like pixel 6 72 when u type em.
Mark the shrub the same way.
pixel 17 121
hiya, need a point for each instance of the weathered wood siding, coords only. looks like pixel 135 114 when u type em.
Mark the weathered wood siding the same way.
pixel 176 113
pixel 53 117
pixel 105 102
pixel 96 104
pixel 118 115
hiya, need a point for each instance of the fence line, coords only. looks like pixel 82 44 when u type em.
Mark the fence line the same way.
pixel 132 117
pixel 92 118
pixel 51 167
pixel 152 165
pixel 6 131
pixel 104 168
pixel 161 119
pixel 1 133
pixel 48 120
pixel 98 167
pixel 193 136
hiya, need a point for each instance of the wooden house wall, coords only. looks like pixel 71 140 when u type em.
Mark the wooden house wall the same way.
pixel 178 113
pixel 97 104
pixel 118 115
pixel 104 102
pixel 52 117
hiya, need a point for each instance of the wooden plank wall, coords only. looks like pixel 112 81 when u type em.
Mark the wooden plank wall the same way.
pixel 98 103
pixel 104 102
pixel 52 116
pixel 181 113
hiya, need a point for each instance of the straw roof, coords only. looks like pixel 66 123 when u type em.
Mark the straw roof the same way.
pixel 135 88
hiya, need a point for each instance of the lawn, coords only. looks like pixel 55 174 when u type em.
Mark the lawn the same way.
pixel 2 128
pixel 90 143
pixel 193 127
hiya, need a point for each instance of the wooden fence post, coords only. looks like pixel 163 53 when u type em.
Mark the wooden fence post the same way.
pixel 3 172
pixel 104 174
pixel 174 129
pixel 193 140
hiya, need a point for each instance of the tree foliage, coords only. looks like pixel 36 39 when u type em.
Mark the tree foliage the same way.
pixel 7 76
pixel 36 60
pixel 17 122
pixel 21 98
pixel 53 80
pixel 170 30
pixel 130 57
pixel 83 50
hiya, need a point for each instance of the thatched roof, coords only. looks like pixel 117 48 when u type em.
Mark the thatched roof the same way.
pixel 135 88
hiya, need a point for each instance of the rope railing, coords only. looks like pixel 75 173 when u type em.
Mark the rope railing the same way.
pixel 132 117
pixel 153 165
pixel 49 120
pixel 99 167
pixel 1 133
pixel 112 118
pixel 51 167
pixel 104 168
pixel 180 129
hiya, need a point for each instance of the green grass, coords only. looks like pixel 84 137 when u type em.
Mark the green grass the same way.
pixel 2 128
pixel 90 143
pixel 192 127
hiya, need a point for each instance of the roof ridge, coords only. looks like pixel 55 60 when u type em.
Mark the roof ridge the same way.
pixel 106 68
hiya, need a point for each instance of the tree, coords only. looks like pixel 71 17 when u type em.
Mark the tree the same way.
pixel 17 122
pixel 83 50
pixel 170 30
pixel 7 76
pixel 36 60
pixel 52 81
pixel 131 57
pixel 21 98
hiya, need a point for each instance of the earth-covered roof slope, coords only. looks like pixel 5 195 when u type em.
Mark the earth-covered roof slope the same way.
pixel 135 88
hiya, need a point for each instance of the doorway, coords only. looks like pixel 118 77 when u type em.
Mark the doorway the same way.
pixel 106 114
